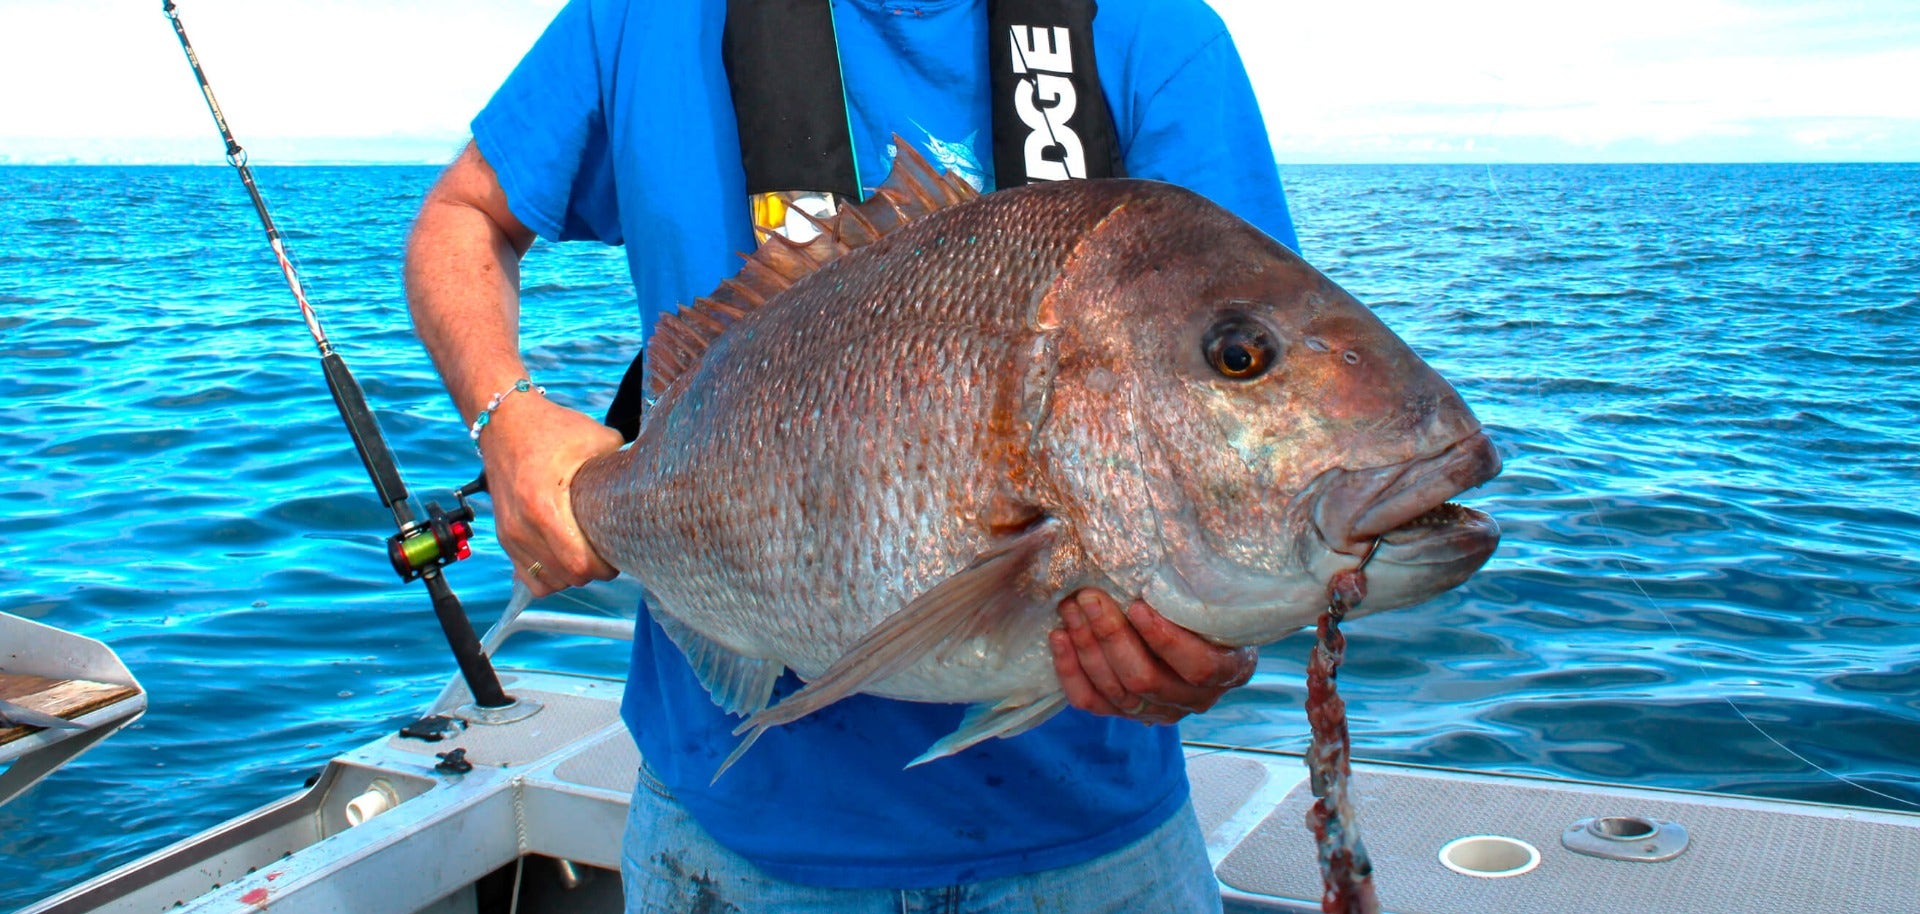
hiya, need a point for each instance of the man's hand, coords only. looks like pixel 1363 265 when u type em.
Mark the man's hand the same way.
pixel 1137 664
pixel 532 447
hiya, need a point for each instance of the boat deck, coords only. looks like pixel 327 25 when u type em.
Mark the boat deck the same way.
pixel 53 672
pixel 544 806
pixel 1740 854
pixel 64 698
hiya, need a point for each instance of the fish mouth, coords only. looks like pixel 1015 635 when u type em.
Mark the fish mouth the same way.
pixel 1396 520
pixel 1405 506
pixel 1452 535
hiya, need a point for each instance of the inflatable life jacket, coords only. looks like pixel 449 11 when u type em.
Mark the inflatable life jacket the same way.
pixel 1050 119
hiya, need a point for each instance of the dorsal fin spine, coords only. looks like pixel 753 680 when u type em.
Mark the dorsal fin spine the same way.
pixel 707 318
pixel 732 311
pixel 958 189
pixel 902 211
pixel 823 228
pixel 742 292
pixel 913 190
pixel 673 335
pixel 859 219
pixel 918 189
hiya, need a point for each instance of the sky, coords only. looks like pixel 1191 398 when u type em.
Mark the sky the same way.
pixel 1339 81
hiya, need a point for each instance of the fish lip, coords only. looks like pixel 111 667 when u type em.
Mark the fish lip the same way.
pixel 1359 506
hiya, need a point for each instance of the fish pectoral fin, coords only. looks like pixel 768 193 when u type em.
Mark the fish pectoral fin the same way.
pixel 1007 719
pixel 988 596
pixel 739 684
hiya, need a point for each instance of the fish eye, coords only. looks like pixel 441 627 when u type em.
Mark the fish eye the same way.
pixel 1239 347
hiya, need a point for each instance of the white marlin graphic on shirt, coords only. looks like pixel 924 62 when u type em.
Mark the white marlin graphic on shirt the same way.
pixel 961 158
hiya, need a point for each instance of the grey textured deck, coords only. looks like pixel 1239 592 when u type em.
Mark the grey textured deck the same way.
pixel 1222 784
pixel 564 717
pixel 1745 857
pixel 610 764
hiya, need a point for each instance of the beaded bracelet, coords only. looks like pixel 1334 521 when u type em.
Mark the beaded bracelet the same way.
pixel 486 415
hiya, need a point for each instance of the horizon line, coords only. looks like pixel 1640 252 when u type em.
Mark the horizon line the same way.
pixel 75 162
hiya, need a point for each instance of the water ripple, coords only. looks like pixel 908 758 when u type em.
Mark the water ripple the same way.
pixel 1702 380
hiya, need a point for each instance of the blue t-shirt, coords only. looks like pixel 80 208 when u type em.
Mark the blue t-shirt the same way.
pixel 618 127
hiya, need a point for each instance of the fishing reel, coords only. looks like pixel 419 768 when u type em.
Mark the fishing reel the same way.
pixel 440 539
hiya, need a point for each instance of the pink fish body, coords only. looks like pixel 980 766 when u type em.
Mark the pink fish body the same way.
pixel 881 458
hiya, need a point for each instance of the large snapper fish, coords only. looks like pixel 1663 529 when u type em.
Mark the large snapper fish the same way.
pixel 881 458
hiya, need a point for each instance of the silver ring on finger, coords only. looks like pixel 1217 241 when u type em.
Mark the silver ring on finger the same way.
pixel 1139 707
pixel 535 570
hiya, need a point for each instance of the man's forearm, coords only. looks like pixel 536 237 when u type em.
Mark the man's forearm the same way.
pixel 463 284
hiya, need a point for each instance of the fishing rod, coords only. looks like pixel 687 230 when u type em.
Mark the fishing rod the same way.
pixel 423 544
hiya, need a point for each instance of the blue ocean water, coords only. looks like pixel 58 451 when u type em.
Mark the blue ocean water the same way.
pixel 1705 381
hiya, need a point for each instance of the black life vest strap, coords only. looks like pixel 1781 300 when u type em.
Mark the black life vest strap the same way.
pixel 783 66
pixel 629 399
pixel 1050 116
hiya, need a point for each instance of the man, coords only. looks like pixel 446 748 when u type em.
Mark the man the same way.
pixel 618 126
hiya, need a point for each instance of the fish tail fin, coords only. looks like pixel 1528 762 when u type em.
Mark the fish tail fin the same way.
pixel 1004 720
pixel 521 598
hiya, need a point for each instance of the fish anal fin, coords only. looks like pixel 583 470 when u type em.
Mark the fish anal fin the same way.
pixel 739 684
pixel 1005 720
pixel 912 190
pixel 989 595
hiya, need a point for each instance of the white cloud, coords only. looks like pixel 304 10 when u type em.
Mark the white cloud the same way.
pixel 1472 80
pixel 1360 81
pixel 111 74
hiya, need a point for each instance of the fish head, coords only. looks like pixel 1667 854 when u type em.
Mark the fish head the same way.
pixel 1247 429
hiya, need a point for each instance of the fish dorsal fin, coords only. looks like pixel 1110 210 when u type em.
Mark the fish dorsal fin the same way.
pixel 913 190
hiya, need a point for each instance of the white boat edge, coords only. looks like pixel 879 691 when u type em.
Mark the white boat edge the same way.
pixel 538 821
pixel 37 649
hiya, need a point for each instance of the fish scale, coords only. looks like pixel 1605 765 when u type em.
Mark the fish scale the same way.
pixel 856 379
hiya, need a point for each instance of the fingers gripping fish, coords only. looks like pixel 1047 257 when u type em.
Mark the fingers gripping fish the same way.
pixel 880 458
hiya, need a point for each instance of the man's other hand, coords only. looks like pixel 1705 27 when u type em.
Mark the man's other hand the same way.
pixel 1137 664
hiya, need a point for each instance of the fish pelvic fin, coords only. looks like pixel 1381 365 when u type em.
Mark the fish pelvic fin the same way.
pixel 1007 719
pixel 989 596
pixel 734 756
pixel 912 190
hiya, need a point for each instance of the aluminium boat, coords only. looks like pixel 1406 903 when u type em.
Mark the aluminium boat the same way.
pixel 522 810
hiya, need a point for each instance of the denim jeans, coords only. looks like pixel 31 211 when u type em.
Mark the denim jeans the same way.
pixel 670 866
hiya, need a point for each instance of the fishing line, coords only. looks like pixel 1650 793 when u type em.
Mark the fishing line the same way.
pixel 1730 703
pixel 1526 230
pixel 597 608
